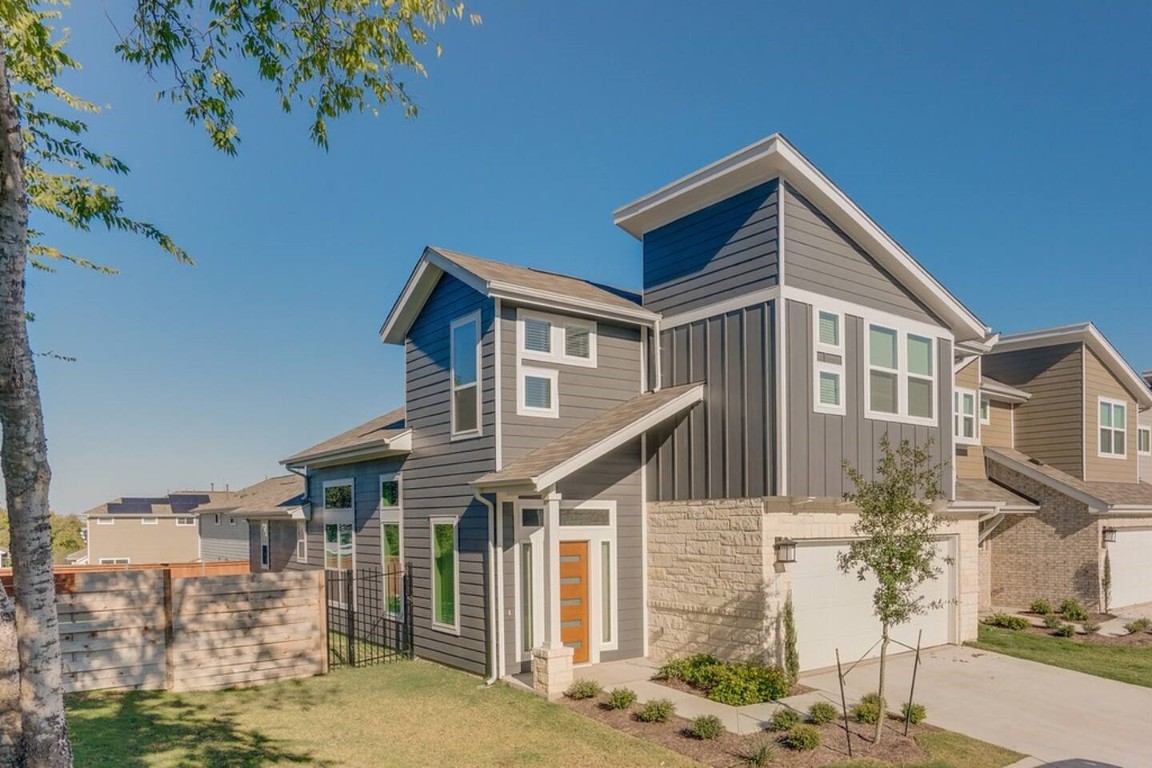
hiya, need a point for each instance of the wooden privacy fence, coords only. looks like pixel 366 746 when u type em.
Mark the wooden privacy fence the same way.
pixel 178 570
pixel 150 631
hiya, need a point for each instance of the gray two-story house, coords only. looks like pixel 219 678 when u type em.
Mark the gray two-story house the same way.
pixel 586 474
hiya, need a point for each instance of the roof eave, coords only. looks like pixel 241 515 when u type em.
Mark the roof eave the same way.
pixel 394 446
pixel 548 300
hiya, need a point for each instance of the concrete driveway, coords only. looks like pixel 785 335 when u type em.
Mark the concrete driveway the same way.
pixel 1049 713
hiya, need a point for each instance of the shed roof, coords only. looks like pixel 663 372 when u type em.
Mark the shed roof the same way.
pixel 1100 496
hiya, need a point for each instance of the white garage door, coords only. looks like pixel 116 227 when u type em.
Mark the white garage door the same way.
pixel 1131 558
pixel 834 610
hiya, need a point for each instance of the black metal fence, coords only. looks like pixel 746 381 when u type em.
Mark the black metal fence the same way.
pixel 368 616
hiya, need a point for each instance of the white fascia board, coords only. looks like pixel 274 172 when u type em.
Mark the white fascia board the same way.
pixel 398 445
pixel 556 301
pixel 632 431
pixel 1089 334
pixel 776 157
pixel 416 291
pixel 1004 393
pixel 1137 510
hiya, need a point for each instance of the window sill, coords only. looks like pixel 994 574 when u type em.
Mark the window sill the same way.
pixel 896 418
pixel 830 410
pixel 538 413
pixel 1116 456
pixel 446 629
pixel 457 436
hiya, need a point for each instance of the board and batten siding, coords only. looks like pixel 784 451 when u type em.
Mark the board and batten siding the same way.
pixel 820 443
pixel 970 458
pixel 438 472
pixel 365 477
pixel 1050 426
pixel 584 392
pixel 221 541
pixel 724 250
pixel 1099 382
pixel 725 447
pixel 819 257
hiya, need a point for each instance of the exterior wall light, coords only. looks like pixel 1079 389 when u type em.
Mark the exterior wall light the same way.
pixel 1109 535
pixel 785 551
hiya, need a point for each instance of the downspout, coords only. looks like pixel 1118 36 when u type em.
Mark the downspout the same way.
pixel 307 493
pixel 492 615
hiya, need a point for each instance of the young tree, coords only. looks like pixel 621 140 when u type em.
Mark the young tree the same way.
pixel 329 56
pixel 896 542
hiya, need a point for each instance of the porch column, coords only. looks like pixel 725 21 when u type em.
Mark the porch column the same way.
pixel 552 662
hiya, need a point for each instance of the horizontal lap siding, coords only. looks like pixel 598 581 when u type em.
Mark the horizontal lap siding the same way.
pixel 970 458
pixel 223 541
pixel 1050 425
pixel 725 446
pixel 584 392
pixel 819 257
pixel 164 542
pixel 365 477
pixel 997 433
pixel 616 477
pixel 819 444
pixel 1099 382
pixel 437 473
pixel 724 250
pixel 282 537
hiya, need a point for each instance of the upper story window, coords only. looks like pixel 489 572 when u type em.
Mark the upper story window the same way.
pixel 556 339
pixel 339 524
pixel 465 405
pixel 537 392
pixel 985 411
pixel 965 404
pixel 901 381
pixel 828 396
pixel 1144 441
pixel 185 521
pixel 1113 428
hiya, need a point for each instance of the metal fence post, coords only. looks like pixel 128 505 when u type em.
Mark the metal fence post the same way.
pixel 350 616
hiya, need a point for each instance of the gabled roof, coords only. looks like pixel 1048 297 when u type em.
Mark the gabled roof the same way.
pixel 521 284
pixel 983 490
pixel 596 437
pixel 776 157
pixel 1089 335
pixel 1135 498
pixel 383 435
pixel 998 390
pixel 282 496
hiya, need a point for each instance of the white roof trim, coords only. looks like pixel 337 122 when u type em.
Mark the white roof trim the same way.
pixel 1002 392
pixel 401 443
pixel 776 157
pixel 1089 334
pixel 1097 505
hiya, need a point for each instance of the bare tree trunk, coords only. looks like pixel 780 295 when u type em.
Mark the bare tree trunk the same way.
pixel 883 674
pixel 24 459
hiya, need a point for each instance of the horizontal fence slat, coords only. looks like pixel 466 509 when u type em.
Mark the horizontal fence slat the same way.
pixel 249 678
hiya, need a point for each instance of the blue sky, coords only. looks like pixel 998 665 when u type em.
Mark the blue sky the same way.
pixel 1004 145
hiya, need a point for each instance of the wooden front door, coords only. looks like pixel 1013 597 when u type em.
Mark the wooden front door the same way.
pixel 574 598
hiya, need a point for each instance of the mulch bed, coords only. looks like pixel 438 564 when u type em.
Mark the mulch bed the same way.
pixel 1138 640
pixel 680 685
pixel 731 749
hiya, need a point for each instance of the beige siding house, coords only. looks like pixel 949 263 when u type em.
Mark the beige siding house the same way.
pixel 136 530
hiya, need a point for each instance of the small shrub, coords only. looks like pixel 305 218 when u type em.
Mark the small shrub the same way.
pixel 783 719
pixel 656 711
pixel 1091 627
pixel 1042 607
pixel 1007 621
pixel 583 689
pixel 802 738
pixel 913 713
pixel 1053 621
pixel 1073 610
pixel 741 684
pixel 822 712
pixel 697 671
pixel 1137 626
pixel 1064 630
pixel 760 755
pixel 707 727
pixel 869 709
pixel 620 698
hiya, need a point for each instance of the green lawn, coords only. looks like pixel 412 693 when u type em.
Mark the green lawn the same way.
pixel 1126 664
pixel 402 714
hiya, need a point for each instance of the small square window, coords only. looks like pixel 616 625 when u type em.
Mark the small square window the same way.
pixel 531 517
pixel 537 335
pixel 578 342
pixel 537 394
pixel 829 329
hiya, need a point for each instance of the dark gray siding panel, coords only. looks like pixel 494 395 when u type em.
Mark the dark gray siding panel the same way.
pixel 223 541
pixel 365 477
pixel 437 473
pixel 819 257
pixel 282 545
pixel 724 250
pixel 584 392
pixel 616 477
pixel 726 446
pixel 819 444
pixel 512 653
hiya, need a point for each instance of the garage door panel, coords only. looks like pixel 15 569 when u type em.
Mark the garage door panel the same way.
pixel 833 610
pixel 1131 559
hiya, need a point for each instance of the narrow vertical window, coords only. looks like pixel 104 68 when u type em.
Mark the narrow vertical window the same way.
pixel 828 363
pixel 527 598
pixel 393 570
pixel 965 415
pixel 301 541
pixel 265 546
pixel 1144 441
pixel 465 404
pixel 920 377
pixel 985 411
pixel 339 518
pixel 445 575
pixel 606 591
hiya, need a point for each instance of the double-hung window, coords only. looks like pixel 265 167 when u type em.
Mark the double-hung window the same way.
pixel 391 554
pixel 339 519
pixel 828 396
pixel 1144 441
pixel 1113 428
pixel 965 405
pixel 901 380
pixel 465 376
pixel 445 574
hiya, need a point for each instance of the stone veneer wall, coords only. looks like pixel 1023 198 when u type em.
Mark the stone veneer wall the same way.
pixel 1050 555
pixel 714 585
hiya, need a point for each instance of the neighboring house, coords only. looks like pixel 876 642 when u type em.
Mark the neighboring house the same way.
pixel 79 557
pixel 272 515
pixel 147 530
pixel 1073 446
pixel 587 474
pixel 1144 437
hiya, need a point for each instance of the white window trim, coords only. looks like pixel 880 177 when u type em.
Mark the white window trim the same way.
pixel 265 546
pixel 559 325
pixel 454 521
pixel 471 317
pixel 115 561
pixel 958 394
pixel 1127 409
pixel 338 516
pixel 985 407
pixel 185 521
pixel 818 366
pixel 1147 431
pixel 105 521
pixel 394 516
pixel 149 521
pixel 553 376
pixel 595 535
pixel 903 331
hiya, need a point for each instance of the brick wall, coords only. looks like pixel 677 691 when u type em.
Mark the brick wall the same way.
pixel 1053 554
pixel 985 558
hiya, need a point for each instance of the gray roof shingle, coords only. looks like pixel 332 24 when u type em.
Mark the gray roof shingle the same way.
pixel 983 489
pixel 1111 494
pixel 377 431
pixel 276 494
